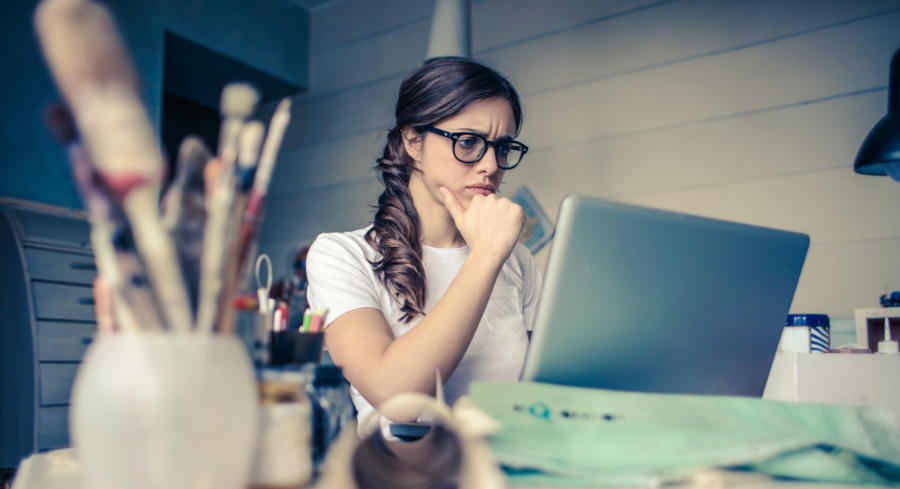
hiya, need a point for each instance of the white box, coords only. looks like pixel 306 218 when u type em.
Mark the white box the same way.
pixel 861 379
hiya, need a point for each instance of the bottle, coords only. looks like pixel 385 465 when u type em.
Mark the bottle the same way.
pixel 283 457
pixel 806 333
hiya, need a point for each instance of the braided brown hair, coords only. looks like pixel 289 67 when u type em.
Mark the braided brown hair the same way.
pixel 438 90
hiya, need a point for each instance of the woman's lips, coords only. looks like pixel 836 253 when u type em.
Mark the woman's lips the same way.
pixel 481 189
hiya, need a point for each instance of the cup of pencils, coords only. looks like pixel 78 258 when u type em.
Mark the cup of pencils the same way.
pixel 166 395
pixel 298 346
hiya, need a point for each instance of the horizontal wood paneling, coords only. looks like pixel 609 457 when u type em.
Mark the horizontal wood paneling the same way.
pixel 342 207
pixel 828 205
pixel 840 277
pixel 393 53
pixel 355 22
pixel 779 142
pixel 402 48
pixel 666 33
pixel 328 163
pixel 821 64
pixel 496 23
pixel 343 115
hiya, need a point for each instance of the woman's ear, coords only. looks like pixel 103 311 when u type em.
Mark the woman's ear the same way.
pixel 412 142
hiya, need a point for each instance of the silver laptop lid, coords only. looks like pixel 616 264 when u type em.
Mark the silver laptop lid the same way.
pixel 649 300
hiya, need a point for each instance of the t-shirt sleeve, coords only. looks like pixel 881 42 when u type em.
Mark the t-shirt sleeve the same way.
pixel 340 277
pixel 532 288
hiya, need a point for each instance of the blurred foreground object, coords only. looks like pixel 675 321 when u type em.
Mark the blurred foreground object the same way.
pixel 174 406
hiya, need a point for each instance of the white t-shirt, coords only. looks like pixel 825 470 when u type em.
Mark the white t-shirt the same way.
pixel 341 279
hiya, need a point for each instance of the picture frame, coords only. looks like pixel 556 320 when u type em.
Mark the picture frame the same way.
pixel 538 229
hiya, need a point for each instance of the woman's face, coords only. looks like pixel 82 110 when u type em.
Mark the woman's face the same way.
pixel 433 154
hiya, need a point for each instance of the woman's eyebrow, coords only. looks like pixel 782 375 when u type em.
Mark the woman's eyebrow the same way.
pixel 483 134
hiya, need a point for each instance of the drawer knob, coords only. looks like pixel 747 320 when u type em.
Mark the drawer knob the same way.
pixel 87 340
pixel 86 301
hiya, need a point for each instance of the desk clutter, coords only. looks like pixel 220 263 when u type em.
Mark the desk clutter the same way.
pixel 527 434
pixel 167 395
pixel 809 368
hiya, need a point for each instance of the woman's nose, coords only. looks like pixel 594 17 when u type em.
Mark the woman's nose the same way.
pixel 488 162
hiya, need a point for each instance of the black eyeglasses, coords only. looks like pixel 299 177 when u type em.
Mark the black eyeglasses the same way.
pixel 469 148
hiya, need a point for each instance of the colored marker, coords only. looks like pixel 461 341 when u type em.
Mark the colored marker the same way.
pixel 307 318
pixel 316 321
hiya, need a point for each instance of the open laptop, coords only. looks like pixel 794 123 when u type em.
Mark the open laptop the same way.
pixel 648 300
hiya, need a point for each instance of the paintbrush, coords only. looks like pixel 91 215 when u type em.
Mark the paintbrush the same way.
pixel 184 211
pixel 119 269
pixel 91 68
pixel 250 140
pixel 277 126
pixel 237 104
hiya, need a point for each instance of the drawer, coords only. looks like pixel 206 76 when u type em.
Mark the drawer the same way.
pixel 53 428
pixel 56 382
pixel 70 229
pixel 60 266
pixel 56 301
pixel 63 342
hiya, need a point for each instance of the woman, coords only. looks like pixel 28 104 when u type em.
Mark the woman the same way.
pixel 438 282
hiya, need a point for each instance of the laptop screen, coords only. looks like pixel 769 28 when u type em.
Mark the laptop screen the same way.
pixel 648 300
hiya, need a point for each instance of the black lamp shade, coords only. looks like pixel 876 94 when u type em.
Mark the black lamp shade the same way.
pixel 882 145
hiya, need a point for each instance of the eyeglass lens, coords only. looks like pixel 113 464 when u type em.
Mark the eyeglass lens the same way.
pixel 470 148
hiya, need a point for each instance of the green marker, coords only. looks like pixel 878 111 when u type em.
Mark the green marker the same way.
pixel 307 317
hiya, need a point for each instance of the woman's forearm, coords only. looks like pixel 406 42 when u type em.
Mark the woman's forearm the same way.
pixel 439 340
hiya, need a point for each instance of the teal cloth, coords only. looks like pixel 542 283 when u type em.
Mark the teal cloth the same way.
pixel 568 436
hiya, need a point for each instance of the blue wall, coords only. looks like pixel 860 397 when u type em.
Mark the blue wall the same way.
pixel 269 35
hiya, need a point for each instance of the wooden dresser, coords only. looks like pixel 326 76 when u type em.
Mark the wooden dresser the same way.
pixel 46 269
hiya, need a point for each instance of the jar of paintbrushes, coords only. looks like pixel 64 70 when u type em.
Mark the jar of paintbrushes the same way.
pixel 166 395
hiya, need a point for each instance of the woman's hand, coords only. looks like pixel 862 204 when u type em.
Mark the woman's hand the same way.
pixel 490 225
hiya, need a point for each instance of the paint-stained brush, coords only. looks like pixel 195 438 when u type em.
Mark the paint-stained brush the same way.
pixel 184 210
pixel 235 276
pixel 90 65
pixel 119 269
pixel 238 102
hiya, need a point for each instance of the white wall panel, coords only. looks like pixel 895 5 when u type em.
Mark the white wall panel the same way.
pixel 829 205
pixel 341 207
pixel 840 277
pixel 666 33
pixel 342 115
pixel 348 22
pixel 400 48
pixel 777 142
pixel 392 54
pixel 327 163
pixel 497 23
pixel 821 64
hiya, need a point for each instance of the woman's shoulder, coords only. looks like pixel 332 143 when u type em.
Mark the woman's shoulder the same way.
pixel 352 242
pixel 521 263
pixel 521 255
